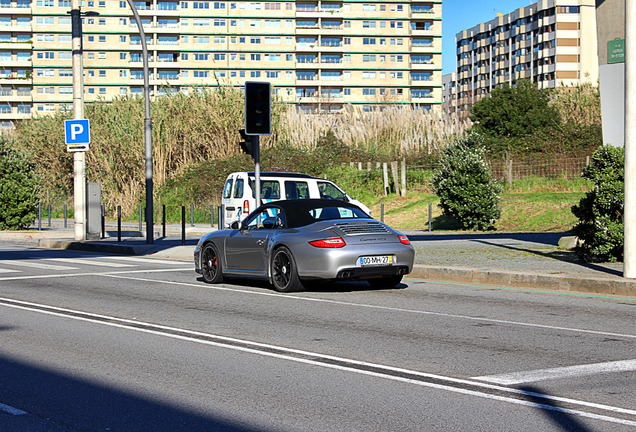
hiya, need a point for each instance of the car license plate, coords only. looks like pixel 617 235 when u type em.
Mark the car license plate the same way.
pixel 381 260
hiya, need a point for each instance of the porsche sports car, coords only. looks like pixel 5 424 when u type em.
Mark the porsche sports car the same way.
pixel 296 242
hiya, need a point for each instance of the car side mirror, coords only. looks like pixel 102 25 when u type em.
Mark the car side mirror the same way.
pixel 235 225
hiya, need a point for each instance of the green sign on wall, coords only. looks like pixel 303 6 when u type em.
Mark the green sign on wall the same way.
pixel 616 51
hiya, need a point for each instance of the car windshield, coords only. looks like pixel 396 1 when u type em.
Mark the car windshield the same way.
pixel 328 213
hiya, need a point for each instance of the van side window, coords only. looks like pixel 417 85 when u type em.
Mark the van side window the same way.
pixel 227 190
pixel 296 190
pixel 329 191
pixel 238 188
pixel 270 189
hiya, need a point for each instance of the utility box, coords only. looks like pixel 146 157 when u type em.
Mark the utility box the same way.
pixel 93 211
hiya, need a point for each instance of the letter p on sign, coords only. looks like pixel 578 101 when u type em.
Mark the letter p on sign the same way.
pixel 77 134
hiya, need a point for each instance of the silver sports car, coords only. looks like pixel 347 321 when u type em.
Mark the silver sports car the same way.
pixel 294 242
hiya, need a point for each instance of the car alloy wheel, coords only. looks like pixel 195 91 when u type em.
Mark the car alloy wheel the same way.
pixel 284 272
pixel 211 264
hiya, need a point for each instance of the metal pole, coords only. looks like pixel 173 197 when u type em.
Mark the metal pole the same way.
pixel 118 223
pixel 212 215
pixel 39 216
pixel 103 222
pixel 140 216
pixel 147 127
pixel 79 158
pixel 430 212
pixel 257 167
pixel 191 214
pixel 183 223
pixel 381 212
pixel 65 220
pixel 629 248
pixel 163 220
pixel 49 215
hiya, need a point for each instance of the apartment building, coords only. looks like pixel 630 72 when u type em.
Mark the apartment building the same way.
pixel 550 42
pixel 318 55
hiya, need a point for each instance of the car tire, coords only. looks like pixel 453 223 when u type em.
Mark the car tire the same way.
pixel 285 272
pixel 211 267
pixel 385 282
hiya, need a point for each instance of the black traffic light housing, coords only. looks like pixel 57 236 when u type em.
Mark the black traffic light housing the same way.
pixel 247 145
pixel 258 108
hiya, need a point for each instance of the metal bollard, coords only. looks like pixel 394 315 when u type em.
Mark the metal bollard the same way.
pixel 65 219
pixel 430 211
pixel 39 217
pixel 118 223
pixel 191 214
pixel 183 224
pixel 49 215
pixel 103 222
pixel 140 216
pixel 212 215
pixel 381 212
pixel 163 219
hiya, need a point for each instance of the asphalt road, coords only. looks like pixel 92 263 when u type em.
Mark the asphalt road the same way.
pixel 112 343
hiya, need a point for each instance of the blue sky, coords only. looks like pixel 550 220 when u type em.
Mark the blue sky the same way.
pixel 458 15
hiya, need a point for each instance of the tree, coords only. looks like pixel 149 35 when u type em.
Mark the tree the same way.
pixel 600 212
pixel 18 188
pixel 514 111
pixel 465 186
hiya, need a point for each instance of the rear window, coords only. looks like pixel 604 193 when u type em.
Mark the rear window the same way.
pixel 238 188
pixel 329 213
pixel 227 190
pixel 296 190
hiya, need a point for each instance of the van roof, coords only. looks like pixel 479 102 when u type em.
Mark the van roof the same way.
pixel 282 174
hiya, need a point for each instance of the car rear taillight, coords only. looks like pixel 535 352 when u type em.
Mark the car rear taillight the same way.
pixel 404 240
pixel 246 207
pixel 335 242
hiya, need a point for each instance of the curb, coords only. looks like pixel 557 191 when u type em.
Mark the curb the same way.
pixel 612 286
pixel 97 247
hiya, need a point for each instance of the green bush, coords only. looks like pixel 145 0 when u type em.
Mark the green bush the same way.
pixel 18 188
pixel 600 212
pixel 464 184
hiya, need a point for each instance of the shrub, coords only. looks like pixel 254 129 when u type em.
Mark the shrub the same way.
pixel 600 212
pixel 464 184
pixel 18 188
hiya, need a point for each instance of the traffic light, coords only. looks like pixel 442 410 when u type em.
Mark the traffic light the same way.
pixel 257 108
pixel 247 144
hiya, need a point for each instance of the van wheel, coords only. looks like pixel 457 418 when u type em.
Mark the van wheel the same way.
pixel 211 264
pixel 284 271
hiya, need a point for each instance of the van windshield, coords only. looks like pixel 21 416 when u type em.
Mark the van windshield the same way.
pixel 330 191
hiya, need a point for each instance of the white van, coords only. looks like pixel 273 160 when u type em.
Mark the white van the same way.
pixel 239 197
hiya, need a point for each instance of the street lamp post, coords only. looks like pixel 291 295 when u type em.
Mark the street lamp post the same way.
pixel 147 129
pixel 79 157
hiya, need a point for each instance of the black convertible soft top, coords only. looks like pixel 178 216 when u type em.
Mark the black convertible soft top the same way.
pixel 298 211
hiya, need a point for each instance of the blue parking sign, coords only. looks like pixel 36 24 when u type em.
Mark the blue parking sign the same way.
pixel 77 132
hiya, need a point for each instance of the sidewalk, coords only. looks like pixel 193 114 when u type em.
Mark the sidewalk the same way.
pixel 494 259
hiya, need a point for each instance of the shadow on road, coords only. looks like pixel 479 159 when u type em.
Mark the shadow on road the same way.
pixel 69 404
pixel 550 409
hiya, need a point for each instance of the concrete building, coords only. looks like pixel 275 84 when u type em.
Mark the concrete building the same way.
pixel 318 55
pixel 550 42
pixel 449 93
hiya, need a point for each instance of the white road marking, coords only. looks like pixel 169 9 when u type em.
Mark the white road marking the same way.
pixel 560 372
pixel 145 260
pixel 312 358
pixel 369 306
pixel 37 264
pixel 9 271
pixel 94 262
pixel 67 275
pixel 9 409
